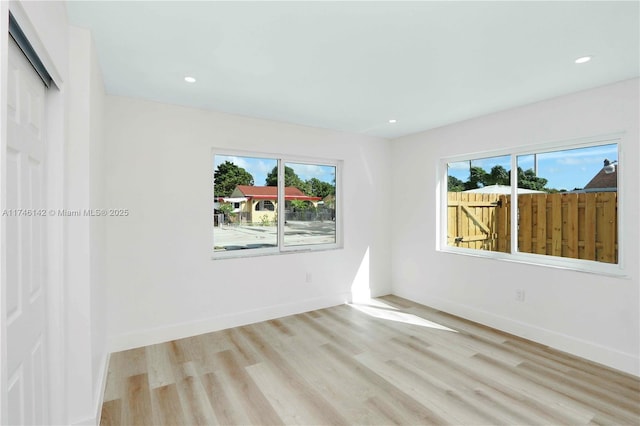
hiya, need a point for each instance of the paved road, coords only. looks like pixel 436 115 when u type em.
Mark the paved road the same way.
pixel 237 237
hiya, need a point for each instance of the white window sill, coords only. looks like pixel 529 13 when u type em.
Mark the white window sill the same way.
pixel 246 253
pixel 577 265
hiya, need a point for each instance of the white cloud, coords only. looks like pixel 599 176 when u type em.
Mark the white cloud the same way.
pixel 460 165
pixel 263 167
pixel 308 171
pixel 574 157
pixel 238 161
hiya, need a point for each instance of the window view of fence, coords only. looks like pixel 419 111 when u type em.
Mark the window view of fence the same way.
pixel 472 221
pixel 571 212
pixel 577 225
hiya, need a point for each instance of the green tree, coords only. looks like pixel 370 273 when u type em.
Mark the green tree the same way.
pixel 454 184
pixel 318 188
pixel 227 176
pixel 527 179
pixel 226 209
pixel 498 176
pixel 299 205
pixel 290 179
pixel 477 179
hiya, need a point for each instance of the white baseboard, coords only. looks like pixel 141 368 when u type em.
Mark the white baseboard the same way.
pixel 101 384
pixel 613 358
pixel 86 422
pixel 177 331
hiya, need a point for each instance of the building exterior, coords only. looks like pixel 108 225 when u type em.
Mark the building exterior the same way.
pixel 606 180
pixel 259 204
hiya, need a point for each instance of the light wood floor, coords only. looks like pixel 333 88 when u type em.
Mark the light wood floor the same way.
pixel 396 363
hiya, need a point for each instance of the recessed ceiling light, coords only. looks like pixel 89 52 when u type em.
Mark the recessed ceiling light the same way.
pixel 189 79
pixel 393 121
pixel 583 59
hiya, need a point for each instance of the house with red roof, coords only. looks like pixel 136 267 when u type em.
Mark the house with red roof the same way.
pixel 261 202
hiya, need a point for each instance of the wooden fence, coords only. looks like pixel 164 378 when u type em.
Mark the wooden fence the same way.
pixel 580 226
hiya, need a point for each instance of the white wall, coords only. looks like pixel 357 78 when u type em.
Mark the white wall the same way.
pixel 84 235
pixel 593 316
pixel 162 283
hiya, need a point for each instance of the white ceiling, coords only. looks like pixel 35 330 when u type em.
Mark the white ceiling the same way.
pixel 352 66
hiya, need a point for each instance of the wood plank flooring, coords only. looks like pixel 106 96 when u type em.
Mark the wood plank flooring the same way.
pixel 389 362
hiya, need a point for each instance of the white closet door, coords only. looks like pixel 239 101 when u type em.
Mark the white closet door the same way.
pixel 25 308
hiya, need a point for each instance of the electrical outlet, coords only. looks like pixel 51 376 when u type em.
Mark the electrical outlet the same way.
pixel 520 295
pixel 309 278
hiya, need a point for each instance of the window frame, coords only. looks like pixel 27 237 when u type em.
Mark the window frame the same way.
pixel 582 265
pixel 280 247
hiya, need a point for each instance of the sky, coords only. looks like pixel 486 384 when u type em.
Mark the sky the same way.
pixel 261 167
pixel 567 169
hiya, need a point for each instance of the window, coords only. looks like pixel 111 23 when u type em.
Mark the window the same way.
pixel 263 205
pixel 310 216
pixel 475 210
pixel 283 204
pixel 560 208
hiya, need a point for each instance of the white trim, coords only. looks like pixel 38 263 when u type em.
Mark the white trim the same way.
pixel 282 206
pixel 102 385
pixel 272 156
pixel 170 332
pixel 235 254
pixel 547 261
pixel 580 265
pixel 4 56
pixel 89 421
pixel 55 175
pixel 514 206
pixel 556 145
pixel 621 203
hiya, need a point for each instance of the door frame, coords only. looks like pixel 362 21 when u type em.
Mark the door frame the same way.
pixel 55 129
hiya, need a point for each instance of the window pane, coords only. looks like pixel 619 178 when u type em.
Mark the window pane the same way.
pixel 310 204
pixel 567 204
pixel 245 203
pixel 478 207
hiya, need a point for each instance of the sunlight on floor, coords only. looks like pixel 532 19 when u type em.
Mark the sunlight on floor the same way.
pixel 378 309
